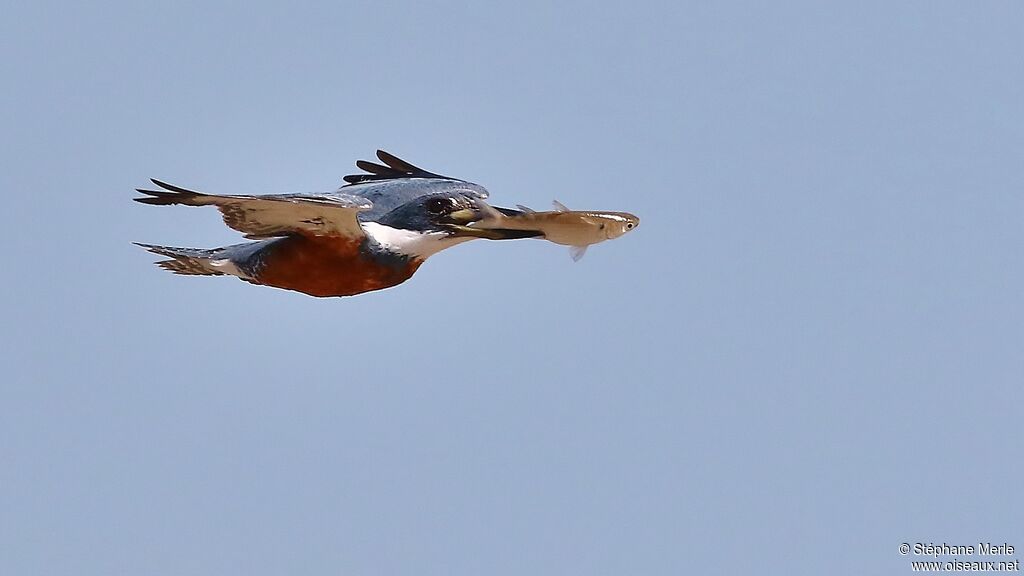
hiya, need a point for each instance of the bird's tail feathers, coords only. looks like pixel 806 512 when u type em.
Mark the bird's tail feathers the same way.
pixel 187 261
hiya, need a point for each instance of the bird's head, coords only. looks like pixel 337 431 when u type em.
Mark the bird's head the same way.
pixel 428 223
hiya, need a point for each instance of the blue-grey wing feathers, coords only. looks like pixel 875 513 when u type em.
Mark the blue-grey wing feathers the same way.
pixel 393 168
pixel 330 213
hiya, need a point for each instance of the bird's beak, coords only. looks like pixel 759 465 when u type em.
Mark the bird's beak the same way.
pixel 460 219
pixel 464 216
pixel 490 233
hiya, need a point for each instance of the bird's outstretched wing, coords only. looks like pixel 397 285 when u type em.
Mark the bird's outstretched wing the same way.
pixel 328 214
pixel 393 168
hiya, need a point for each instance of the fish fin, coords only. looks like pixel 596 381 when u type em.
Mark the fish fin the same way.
pixel 489 212
pixel 577 252
pixel 526 209
pixel 559 206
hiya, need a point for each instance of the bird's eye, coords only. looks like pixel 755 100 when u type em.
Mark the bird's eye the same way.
pixel 437 205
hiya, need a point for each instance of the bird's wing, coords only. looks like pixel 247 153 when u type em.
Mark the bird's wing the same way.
pixel 327 214
pixel 392 169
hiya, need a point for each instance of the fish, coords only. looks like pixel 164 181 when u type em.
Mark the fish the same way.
pixel 576 229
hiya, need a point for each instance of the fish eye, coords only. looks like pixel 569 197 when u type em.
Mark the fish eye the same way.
pixel 629 226
pixel 437 205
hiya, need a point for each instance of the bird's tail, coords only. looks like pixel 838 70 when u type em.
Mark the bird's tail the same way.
pixel 188 261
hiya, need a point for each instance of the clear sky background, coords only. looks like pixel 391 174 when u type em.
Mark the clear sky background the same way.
pixel 810 351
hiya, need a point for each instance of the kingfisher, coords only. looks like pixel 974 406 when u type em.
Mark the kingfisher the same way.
pixel 372 233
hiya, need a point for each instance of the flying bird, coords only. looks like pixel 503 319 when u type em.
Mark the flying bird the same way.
pixel 370 234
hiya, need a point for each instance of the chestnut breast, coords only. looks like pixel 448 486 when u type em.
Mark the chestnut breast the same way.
pixel 330 266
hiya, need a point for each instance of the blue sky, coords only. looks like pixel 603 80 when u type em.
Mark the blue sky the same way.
pixel 808 353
